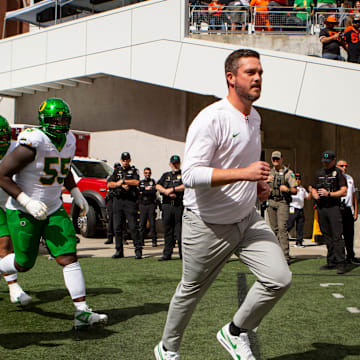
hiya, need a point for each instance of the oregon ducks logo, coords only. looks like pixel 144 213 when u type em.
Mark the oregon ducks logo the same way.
pixel 42 106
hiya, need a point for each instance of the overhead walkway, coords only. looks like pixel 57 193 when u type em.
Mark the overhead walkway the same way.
pixel 146 42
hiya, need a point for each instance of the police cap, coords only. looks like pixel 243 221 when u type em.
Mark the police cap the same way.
pixel 328 156
pixel 125 156
pixel 175 159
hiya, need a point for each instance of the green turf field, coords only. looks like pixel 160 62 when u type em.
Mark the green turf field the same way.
pixel 307 324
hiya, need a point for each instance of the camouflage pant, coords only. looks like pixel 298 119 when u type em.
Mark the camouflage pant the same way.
pixel 278 213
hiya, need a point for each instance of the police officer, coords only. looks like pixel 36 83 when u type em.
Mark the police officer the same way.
pixel 109 209
pixel 172 189
pixel 125 182
pixel 282 186
pixel 147 206
pixel 328 187
pixel 349 202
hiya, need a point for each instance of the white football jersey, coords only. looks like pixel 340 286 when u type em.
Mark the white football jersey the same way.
pixel 43 178
pixel 3 194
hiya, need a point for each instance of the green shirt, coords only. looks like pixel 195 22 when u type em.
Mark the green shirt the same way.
pixel 303 4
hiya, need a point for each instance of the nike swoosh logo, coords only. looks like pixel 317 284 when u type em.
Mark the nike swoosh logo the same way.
pixel 235 135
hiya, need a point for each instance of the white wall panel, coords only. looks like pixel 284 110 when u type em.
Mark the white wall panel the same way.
pixel 155 62
pixel 65 69
pixel 157 21
pixel 29 51
pixel 116 62
pixel 109 32
pixel 29 76
pixel 5 80
pixel 200 70
pixel 5 58
pixel 329 94
pixel 66 42
pixel 281 83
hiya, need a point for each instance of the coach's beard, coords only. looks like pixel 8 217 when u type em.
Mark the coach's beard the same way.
pixel 245 95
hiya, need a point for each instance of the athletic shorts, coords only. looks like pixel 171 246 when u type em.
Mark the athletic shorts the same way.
pixel 4 230
pixel 57 230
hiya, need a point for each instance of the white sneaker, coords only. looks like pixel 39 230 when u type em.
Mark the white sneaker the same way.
pixel 21 298
pixel 161 354
pixel 85 318
pixel 237 346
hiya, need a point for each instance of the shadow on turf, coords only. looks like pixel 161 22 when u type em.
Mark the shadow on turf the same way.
pixel 323 351
pixel 21 340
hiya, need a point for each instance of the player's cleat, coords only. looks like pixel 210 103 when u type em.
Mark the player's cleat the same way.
pixel 85 318
pixel 237 346
pixel 161 354
pixel 21 298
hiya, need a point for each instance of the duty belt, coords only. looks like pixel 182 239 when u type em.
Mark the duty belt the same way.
pixel 276 198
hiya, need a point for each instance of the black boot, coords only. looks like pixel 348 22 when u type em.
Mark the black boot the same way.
pixel 109 240
pixel 138 254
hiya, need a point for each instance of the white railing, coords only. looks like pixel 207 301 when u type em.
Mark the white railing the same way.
pixel 237 19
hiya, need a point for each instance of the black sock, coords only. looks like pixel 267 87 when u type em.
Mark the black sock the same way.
pixel 165 349
pixel 236 331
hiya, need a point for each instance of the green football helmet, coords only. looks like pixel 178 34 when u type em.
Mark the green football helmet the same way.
pixel 5 134
pixel 55 117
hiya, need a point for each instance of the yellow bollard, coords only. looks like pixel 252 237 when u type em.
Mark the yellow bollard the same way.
pixel 316 227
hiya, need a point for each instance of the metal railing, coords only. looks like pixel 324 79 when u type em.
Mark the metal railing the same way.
pixel 237 19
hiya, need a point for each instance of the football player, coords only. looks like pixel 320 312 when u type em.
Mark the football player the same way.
pixel 41 165
pixel 17 294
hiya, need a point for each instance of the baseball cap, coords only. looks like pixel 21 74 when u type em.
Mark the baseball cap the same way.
pixel 175 159
pixel 125 156
pixel 331 19
pixel 298 176
pixel 328 156
pixel 276 154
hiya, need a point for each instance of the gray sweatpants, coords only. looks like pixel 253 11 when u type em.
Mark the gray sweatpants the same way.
pixel 206 248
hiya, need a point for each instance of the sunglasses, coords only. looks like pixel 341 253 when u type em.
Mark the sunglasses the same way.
pixel 276 158
pixel 342 165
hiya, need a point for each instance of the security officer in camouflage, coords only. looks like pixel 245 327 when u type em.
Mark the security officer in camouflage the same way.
pixel 282 186
pixel 125 181
pixel 147 206
pixel 172 189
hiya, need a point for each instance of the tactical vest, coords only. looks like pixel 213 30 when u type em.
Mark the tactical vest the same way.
pixel 279 179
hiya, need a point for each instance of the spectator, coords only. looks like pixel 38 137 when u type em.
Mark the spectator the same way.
pixel 237 13
pixel 296 211
pixel 331 40
pixel 352 38
pixel 277 15
pixel 304 9
pixel 147 206
pixel 216 15
pixel 172 189
pixel 328 187
pixel 282 185
pixel 260 7
pixel 349 216
pixel 326 4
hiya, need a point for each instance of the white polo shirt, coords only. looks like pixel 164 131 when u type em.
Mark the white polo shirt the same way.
pixel 220 137
pixel 297 201
pixel 350 190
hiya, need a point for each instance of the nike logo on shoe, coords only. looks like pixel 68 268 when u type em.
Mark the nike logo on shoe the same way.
pixel 235 135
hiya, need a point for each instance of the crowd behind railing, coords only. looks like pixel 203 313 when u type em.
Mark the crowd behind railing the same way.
pixel 278 16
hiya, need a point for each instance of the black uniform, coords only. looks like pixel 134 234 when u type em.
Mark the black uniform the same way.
pixel 172 209
pixel 125 207
pixel 147 207
pixel 110 213
pixel 330 220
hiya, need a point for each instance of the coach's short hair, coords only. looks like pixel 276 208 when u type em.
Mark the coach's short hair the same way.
pixel 232 63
